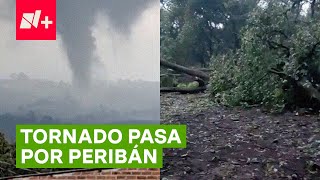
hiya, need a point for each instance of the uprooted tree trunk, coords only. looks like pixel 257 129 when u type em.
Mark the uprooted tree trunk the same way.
pixel 203 78
pixel 308 87
pixel 185 70
pixel 183 90
pixel 303 83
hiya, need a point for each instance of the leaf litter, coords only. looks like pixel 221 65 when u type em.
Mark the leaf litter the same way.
pixel 237 143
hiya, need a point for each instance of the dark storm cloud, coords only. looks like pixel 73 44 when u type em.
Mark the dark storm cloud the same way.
pixel 74 21
pixel 76 17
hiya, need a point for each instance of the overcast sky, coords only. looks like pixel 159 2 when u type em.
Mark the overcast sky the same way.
pixel 119 57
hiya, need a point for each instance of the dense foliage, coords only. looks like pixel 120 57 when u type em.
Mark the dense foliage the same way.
pixel 278 62
pixel 7 157
pixel 261 52
pixel 194 30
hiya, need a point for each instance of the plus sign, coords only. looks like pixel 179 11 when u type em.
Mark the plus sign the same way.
pixel 46 22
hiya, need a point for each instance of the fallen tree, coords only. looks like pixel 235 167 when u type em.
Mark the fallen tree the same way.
pixel 201 77
pixel 185 70
pixel 277 65
pixel 303 83
pixel 183 90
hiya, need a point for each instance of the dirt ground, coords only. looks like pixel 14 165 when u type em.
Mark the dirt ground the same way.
pixel 225 143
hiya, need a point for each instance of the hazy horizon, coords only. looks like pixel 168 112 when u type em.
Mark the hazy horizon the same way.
pixel 103 68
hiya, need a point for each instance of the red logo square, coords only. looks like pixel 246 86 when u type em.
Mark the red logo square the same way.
pixel 35 19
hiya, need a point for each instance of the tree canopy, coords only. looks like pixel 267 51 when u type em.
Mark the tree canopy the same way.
pixel 192 31
pixel 260 52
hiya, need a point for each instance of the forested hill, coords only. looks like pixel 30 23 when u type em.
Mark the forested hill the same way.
pixel 27 101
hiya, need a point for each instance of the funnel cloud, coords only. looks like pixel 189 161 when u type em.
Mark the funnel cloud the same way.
pixel 74 22
pixel 103 67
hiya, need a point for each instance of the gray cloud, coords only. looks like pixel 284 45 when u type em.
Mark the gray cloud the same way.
pixel 116 45
pixel 75 19
pixel 74 22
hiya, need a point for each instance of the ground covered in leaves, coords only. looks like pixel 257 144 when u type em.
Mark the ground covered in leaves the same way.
pixel 225 143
